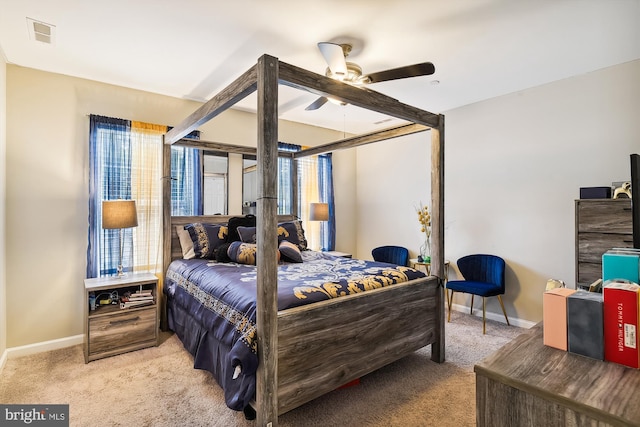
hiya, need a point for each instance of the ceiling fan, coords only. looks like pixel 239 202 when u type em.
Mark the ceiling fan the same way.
pixel 349 72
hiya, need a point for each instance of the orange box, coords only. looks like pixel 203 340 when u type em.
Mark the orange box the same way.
pixel 620 315
pixel 554 317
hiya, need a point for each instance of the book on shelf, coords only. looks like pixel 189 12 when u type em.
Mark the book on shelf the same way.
pixel 139 298
pixel 140 294
pixel 129 304
pixel 133 300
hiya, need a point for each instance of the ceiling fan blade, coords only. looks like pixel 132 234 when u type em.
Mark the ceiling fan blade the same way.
pixel 424 69
pixel 334 56
pixel 317 104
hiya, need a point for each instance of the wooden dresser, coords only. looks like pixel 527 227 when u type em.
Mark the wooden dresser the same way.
pixel 601 224
pixel 526 383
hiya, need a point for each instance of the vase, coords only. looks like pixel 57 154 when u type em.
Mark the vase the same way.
pixel 425 250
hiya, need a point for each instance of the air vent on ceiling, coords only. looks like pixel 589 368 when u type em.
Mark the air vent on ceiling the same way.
pixel 41 31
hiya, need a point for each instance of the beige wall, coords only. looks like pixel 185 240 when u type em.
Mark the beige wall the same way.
pixel 3 143
pixel 47 187
pixel 513 168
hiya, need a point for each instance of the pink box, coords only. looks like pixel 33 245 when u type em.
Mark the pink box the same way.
pixel 554 317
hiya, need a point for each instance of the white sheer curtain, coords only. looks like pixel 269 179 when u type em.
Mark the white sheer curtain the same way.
pixel 309 193
pixel 146 190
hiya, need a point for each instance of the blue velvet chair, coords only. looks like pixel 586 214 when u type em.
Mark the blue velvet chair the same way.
pixel 391 254
pixel 484 276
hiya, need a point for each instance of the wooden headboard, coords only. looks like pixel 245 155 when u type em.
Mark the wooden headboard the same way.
pixel 176 250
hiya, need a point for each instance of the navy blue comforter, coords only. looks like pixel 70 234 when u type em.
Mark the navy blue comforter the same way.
pixel 212 307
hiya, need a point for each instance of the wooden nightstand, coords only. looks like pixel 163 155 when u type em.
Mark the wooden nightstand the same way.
pixel 110 329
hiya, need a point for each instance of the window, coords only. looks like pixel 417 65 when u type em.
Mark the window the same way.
pixel 285 178
pixel 186 187
pixel 315 184
pixel 125 162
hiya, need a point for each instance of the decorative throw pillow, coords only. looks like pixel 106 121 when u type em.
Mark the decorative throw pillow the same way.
pixel 185 242
pixel 239 221
pixel 247 234
pixel 245 253
pixel 293 232
pixel 206 238
pixel 290 251
pixel 242 253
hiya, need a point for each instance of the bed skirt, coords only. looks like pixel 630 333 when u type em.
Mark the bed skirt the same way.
pixel 208 352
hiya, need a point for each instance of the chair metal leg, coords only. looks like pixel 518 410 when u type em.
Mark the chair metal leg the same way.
pixel 503 312
pixel 484 326
pixel 471 308
pixel 450 300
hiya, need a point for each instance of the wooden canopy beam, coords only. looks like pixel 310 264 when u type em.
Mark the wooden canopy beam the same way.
pixel 224 147
pixel 300 78
pixel 363 139
pixel 216 146
pixel 229 96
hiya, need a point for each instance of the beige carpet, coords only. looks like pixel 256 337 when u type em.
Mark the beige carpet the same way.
pixel 159 387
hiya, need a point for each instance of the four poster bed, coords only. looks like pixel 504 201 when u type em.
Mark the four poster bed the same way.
pixel 294 352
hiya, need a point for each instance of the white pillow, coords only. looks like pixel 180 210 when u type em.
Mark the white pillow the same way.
pixel 185 243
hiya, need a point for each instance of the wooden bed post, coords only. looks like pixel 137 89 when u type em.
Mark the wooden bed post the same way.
pixel 437 249
pixel 166 226
pixel 267 205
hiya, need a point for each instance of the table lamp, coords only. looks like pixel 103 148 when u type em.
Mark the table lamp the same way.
pixel 319 212
pixel 119 214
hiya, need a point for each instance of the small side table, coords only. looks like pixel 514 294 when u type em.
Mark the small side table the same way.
pixel 427 266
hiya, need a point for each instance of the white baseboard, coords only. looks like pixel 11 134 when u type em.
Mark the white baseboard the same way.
pixel 40 347
pixel 498 317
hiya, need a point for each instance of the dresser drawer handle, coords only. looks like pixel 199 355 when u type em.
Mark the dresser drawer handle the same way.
pixel 121 322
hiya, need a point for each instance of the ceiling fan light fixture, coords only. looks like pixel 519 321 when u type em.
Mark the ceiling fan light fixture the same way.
pixel 353 75
pixel 335 55
pixel 338 75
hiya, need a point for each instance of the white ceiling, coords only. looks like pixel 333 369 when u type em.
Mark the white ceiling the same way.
pixel 193 48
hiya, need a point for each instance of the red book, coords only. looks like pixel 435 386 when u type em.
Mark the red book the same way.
pixel 621 323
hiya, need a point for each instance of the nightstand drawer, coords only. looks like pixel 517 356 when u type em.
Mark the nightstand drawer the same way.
pixel 119 332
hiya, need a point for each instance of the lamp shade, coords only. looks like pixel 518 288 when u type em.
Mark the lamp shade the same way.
pixel 119 214
pixel 319 212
